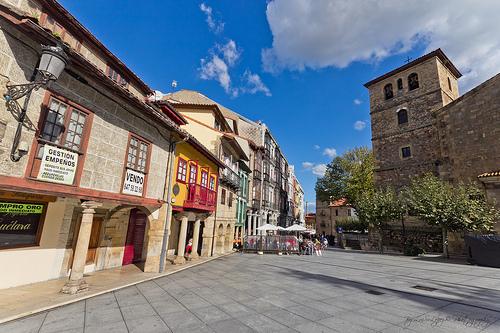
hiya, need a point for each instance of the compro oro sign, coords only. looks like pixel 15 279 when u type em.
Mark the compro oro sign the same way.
pixel 133 183
pixel 58 165
pixel 20 223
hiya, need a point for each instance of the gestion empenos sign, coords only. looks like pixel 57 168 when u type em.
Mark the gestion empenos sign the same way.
pixel 58 165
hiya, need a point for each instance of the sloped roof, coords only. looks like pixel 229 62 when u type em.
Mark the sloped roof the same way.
pixel 338 203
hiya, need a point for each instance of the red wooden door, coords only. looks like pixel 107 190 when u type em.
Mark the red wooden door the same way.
pixel 135 237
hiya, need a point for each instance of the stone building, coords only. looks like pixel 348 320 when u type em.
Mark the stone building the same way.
pixel 328 213
pixel 84 173
pixel 420 123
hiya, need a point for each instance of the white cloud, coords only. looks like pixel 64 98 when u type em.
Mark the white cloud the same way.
pixel 307 165
pixel 253 84
pixel 213 24
pixel 330 152
pixel 357 101
pixel 216 65
pixel 316 147
pixel 313 34
pixel 319 170
pixel 359 125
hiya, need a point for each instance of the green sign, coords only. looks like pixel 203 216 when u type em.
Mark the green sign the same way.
pixel 20 208
pixel 19 223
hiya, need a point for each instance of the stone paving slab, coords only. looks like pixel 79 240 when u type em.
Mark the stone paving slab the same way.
pixel 339 292
pixel 21 301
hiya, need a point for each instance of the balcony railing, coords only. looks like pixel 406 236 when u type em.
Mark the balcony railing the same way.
pixel 231 178
pixel 257 174
pixel 200 197
pixel 266 176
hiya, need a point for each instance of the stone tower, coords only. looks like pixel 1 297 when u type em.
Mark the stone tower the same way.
pixel 402 104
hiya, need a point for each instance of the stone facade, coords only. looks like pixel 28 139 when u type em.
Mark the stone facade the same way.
pixel 419 133
pixel 454 137
pixel 86 223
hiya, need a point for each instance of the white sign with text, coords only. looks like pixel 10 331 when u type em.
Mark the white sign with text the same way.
pixel 58 165
pixel 133 183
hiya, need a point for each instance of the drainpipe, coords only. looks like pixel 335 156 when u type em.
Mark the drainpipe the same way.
pixel 168 194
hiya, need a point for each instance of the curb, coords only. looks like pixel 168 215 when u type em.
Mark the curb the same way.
pixel 84 297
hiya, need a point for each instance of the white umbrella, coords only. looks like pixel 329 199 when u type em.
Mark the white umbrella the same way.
pixel 280 228
pixel 296 227
pixel 267 227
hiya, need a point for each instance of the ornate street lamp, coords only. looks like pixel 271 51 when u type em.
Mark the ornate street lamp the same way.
pixel 51 65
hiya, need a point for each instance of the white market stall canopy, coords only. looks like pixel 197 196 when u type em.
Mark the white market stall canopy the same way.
pixel 296 227
pixel 267 227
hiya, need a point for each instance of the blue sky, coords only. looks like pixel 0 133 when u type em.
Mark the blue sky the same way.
pixel 308 86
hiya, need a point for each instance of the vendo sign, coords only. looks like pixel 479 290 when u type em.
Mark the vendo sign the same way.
pixel 133 183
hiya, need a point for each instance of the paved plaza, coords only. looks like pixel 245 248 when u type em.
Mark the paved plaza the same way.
pixel 339 292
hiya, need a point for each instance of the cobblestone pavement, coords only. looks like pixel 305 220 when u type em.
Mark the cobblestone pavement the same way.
pixel 339 292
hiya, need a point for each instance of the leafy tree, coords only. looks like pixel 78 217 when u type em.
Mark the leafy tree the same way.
pixel 380 207
pixel 347 176
pixel 350 223
pixel 453 208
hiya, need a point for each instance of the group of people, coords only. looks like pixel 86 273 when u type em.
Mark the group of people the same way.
pixel 312 246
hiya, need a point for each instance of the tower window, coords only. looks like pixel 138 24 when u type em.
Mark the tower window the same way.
pixel 406 152
pixel 449 84
pixel 400 84
pixel 402 116
pixel 388 91
pixel 413 81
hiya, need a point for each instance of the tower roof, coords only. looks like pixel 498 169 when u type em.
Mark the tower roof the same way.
pixel 436 53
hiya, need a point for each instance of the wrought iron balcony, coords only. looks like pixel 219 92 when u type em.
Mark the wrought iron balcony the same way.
pixel 200 197
pixel 230 178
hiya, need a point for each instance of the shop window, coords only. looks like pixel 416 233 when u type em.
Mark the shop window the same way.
pixel 406 152
pixel 137 155
pixel 413 81
pixel 21 223
pixel 402 117
pixel 193 173
pixel 181 170
pixel 223 196
pixel 388 93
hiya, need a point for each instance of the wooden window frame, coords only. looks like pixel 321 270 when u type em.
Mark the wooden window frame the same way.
pixel 192 165
pixel 33 166
pixel 185 162
pixel 39 231
pixel 230 199
pixel 146 170
pixel 207 171
pixel 214 177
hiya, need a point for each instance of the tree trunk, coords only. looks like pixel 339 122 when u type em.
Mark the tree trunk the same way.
pixel 380 240
pixel 445 243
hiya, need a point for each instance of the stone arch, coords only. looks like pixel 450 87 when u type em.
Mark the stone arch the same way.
pixel 116 225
